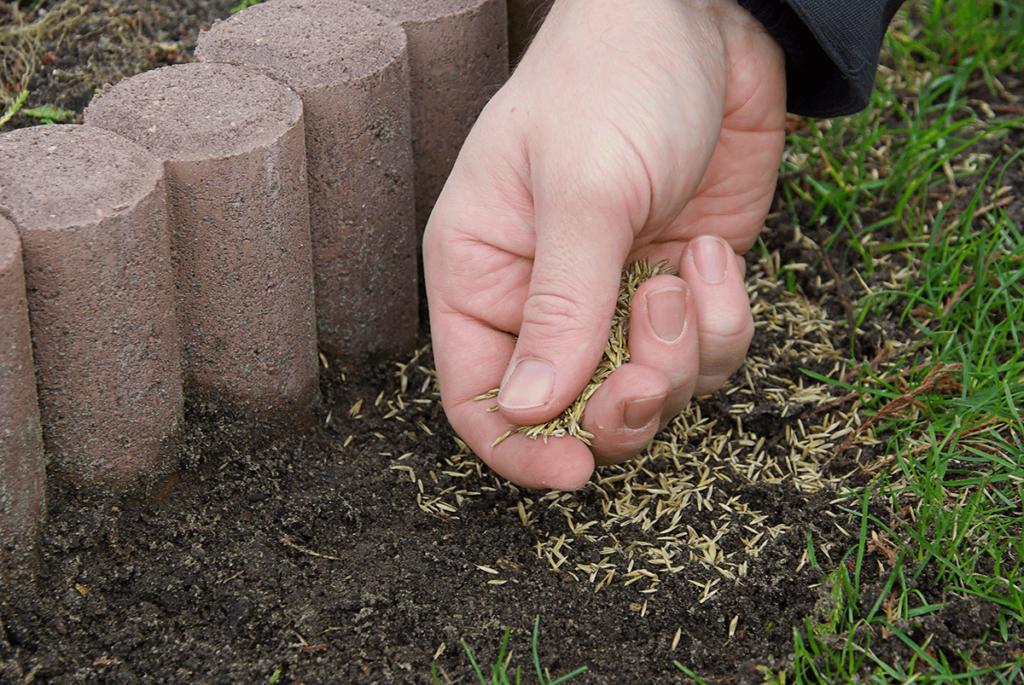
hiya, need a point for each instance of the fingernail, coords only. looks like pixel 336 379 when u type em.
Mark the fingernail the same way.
pixel 639 413
pixel 530 385
pixel 667 312
pixel 709 256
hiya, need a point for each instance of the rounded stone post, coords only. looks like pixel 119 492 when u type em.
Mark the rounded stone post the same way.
pixel 90 209
pixel 233 149
pixel 22 465
pixel 458 59
pixel 349 66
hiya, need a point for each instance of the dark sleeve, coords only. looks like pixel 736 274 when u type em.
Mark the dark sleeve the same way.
pixel 831 49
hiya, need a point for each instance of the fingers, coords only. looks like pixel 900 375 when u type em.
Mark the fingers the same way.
pixel 470 358
pixel 558 464
pixel 476 290
pixel 641 396
pixel 565 324
pixel 725 326
pixel 663 334
pixel 583 234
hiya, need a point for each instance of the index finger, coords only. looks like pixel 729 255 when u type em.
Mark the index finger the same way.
pixel 478 260
pixel 471 357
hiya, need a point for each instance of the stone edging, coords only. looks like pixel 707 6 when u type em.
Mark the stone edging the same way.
pixel 169 247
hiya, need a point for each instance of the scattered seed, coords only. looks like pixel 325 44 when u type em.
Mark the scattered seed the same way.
pixel 637 512
pixel 286 540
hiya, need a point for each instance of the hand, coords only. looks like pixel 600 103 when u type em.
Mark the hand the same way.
pixel 651 130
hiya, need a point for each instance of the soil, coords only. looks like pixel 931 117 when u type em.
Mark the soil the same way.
pixel 367 550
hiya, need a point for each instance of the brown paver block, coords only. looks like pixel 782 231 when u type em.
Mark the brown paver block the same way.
pixel 349 66
pixel 233 146
pixel 22 464
pixel 90 208
pixel 458 58
pixel 524 18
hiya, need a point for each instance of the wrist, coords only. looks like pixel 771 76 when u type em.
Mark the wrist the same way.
pixel 671 34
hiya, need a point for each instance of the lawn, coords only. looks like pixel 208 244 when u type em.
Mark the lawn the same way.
pixel 925 187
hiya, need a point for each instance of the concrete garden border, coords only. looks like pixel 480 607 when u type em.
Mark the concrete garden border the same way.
pixel 212 224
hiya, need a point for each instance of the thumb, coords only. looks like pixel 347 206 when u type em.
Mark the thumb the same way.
pixel 580 250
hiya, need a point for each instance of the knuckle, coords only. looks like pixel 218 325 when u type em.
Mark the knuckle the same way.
pixel 552 310
pixel 724 347
pixel 729 329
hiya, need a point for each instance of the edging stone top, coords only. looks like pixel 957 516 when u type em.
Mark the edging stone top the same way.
pixel 35 188
pixel 348 42
pixel 198 111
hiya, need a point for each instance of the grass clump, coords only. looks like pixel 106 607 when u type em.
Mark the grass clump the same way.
pixel 917 194
pixel 499 673
pixel 244 4
pixel 950 480
pixel 13 107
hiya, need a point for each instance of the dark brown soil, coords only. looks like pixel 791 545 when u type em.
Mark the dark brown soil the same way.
pixel 75 46
pixel 317 559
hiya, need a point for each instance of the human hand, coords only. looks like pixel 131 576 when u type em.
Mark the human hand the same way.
pixel 631 130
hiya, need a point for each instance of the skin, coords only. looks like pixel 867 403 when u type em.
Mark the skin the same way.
pixel 644 130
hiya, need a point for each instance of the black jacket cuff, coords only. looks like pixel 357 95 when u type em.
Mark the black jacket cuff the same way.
pixel 831 50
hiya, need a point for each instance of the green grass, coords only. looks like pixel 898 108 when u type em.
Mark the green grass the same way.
pixel 912 185
pixel 953 482
pixel 49 115
pixel 243 4
pixel 13 108
pixel 879 169
pixel 953 428
pixel 45 114
pixel 499 673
